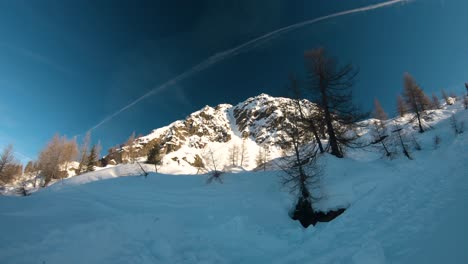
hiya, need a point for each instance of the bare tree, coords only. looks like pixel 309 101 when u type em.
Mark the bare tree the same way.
pixel 379 129
pixel 435 101
pixel 416 99
pixel 401 106
pixel 332 85
pixel 70 152
pixel 130 148
pixel 244 154
pixel 263 157
pixel 234 152
pixel 312 119
pixel 9 167
pixel 465 101
pixel 401 140
pixel 6 158
pixel 53 157
pixel 212 165
pixel 84 152
pixel 379 112
pixel 300 168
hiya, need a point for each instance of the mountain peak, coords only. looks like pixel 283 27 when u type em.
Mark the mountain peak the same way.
pixel 255 121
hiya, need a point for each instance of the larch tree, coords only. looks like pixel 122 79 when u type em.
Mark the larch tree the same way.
pixel 401 140
pixel 332 86
pixel 312 118
pixel 416 100
pixel 379 112
pixel 435 101
pixel 401 106
pixel 301 172
pixel 379 129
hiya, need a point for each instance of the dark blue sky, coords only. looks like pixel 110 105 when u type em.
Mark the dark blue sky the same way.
pixel 67 65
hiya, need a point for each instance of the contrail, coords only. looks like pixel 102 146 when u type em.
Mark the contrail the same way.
pixel 242 48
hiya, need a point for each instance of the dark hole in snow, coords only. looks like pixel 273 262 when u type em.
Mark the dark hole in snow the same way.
pixel 306 216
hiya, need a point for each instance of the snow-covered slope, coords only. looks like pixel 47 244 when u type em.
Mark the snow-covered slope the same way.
pixel 399 211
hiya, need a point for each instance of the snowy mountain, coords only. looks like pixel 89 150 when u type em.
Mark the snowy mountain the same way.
pixel 252 124
pixel 398 210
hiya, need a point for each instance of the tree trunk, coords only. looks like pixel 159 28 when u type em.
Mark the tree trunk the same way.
pixel 335 150
pixel 421 130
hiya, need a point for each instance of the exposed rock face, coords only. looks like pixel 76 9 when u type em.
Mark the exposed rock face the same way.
pixel 263 117
pixel 259 119
pixel 207 125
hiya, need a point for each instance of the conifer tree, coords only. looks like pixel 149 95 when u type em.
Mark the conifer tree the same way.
pixel 313 118
pixel 401 106
pixel 154 156
pixel 379 129
pixel 299 165
pixel 416 99
pixel 92 159
pixel 332 86
pixel 435 101
pixel 379 112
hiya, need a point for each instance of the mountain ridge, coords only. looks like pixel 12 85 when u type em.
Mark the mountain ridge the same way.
pixel 254 123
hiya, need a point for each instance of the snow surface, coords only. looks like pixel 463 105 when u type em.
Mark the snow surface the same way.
pixel 399 211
